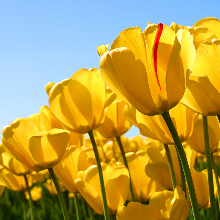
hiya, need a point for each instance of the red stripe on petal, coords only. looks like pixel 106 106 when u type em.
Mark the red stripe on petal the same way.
pixel 156 43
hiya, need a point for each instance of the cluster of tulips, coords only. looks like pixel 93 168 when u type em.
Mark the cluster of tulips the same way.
pixel 166 82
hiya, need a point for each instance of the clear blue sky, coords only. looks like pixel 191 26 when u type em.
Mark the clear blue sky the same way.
pixel 45 40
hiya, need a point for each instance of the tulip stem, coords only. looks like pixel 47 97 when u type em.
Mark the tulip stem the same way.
pixel 24 205
pixel 60 195
pixel 209 167
pixel 91 215
pixel 70 206
pixel 172 173
pixel 30 199
pixel 183 181
pixel 216 179
pixel 126 164
pixel 113 217
pixel 105 205
pixel 184 163
pixel 77 206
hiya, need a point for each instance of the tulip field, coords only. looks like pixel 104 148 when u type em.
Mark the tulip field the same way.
pixel 71 160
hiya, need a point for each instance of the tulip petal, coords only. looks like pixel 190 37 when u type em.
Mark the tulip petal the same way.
pixel 47 148
pixel 118 69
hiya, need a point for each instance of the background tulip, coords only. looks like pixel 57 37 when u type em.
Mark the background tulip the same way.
pixel 116 180
pixel 80 102
pixel 203 93
pixel 196 141
pixel 143 186
pixel 115 123
pixel 37 149
pixel 75 159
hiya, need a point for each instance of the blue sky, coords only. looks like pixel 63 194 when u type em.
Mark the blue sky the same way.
pixel 44 40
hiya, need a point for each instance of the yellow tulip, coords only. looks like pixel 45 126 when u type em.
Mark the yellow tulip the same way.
pixel 155 127
pixel 136 210
pixel 199 33
pixel 14 182
pixel 102 49
pixel 116 180
pixel 74 160
pixel 172 205
pixel 13 165
pixel 158 168
pixel 211 23
pixel 143 186
pixel 49 185
pixel 115 123
pixel 80 102
pixel 203 93
pixel 201 184
pixel 37 149
pixel 163 205
pixel 48 87
pixel 36 193
pixel 149 69
pixel 196 141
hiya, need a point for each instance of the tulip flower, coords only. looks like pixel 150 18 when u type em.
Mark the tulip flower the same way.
pixel 149 69
pixel 136 210
pixel 102 49
pixel 49 185
pixel 48 87
pixel 36 193
pixel 116 180
pixel 74 160
pixel 201 184
pixel 37 149
pixel 158 168
pixel 156 128
pixel 115 123
pixel 211 23
pixel 80 102
pixel 13 165
pixel 143 186
pixel 199 33
pixel 14 182
pixel 172 205
pixel 196 141
pixel 163 205
pixel 203 93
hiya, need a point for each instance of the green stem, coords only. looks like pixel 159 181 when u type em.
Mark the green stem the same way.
pixel 216 179
pixel 126 164
pixel 60 195
pixel 113 217
pixel 84 209
pixel 30 199
pixel 172 173
pixel 70 211
pixel 184 163
pixel 91 214
pixel 183 181
pixel 77 206
pixel 24 205
pixel 209 167
pixel 105 205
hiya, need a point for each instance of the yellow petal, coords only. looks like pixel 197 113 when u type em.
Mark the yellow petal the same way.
pixel 118 67
pixel 212 23
pixel 136 210
pixel 47 148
